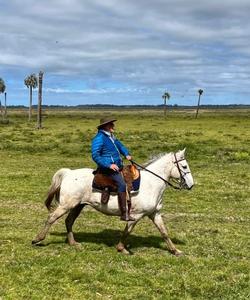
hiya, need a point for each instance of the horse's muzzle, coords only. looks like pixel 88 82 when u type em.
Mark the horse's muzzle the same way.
pixel 185 186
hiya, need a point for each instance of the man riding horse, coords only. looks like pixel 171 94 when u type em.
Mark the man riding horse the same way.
pixel 106 152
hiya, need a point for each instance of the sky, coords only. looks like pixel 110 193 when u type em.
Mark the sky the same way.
pixel 126 52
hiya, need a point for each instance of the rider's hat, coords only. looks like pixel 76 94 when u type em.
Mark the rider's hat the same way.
pixel 104 121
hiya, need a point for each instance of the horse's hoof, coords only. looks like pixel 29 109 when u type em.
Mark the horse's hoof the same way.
pixel 35 242
pixel 121 248
pixel 125 252
pixel 178 253
pixel 73 243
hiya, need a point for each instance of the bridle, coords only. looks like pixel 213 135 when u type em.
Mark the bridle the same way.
pixel 182 173
pixel 182 181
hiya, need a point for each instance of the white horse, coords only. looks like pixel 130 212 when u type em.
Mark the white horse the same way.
pixel 73 190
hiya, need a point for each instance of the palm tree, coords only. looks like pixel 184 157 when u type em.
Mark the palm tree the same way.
pixel 31 83
pixel 200 92
pixel 165 97
pixel 2 90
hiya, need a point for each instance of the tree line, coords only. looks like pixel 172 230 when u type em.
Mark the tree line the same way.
pixel 32 81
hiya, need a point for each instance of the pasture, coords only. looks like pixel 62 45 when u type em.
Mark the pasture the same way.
pixel 210 223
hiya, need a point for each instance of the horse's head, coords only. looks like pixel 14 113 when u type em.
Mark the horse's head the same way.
pixel 181 170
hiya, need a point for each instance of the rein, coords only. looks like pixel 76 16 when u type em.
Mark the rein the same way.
pixel 166 182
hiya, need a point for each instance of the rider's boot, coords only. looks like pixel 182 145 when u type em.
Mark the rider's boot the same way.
pixel 123 207
pixel 129 204
pixel 105 196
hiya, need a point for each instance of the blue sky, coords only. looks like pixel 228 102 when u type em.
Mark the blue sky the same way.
pixel 127 52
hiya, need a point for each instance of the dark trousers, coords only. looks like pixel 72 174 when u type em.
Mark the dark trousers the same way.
pixel 118 178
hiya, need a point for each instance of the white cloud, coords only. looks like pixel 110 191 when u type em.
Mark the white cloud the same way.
pixel 96 91
pixel 138 45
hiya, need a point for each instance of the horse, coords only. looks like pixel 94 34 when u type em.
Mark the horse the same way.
pixel 73 190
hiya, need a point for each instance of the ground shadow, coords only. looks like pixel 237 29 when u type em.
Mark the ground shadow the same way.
pixel 110 238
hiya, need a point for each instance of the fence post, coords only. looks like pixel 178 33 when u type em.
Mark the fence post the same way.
pixel 39 107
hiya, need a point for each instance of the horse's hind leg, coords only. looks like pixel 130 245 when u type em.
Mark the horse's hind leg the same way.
pixel 73 214
pixel 157 220
pixel 121 247
pixel 58 213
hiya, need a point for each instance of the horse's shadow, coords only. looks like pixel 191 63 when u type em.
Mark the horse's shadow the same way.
pixel 110 238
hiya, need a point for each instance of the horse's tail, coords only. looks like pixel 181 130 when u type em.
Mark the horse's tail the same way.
pixel 54 190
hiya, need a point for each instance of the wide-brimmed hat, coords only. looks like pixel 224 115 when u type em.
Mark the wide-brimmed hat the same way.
pixel 105 120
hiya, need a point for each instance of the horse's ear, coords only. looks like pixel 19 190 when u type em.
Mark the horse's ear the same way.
pixel 182 153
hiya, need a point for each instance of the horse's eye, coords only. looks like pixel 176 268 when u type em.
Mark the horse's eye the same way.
pixel 184 167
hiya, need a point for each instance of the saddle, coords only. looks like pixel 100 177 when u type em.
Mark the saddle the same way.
pixel 105 184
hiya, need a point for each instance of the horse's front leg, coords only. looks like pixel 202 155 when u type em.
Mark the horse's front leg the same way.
pixel 74 213
pixel 121 247
pixel 157 220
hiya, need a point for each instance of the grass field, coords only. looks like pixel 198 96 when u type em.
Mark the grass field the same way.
pixel 210 223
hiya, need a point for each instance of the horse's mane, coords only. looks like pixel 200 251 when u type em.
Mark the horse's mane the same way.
pixel 153 159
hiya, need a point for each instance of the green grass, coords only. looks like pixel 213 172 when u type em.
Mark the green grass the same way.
pixel 210 223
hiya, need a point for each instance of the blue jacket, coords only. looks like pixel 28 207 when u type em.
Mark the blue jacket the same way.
pixel 106 151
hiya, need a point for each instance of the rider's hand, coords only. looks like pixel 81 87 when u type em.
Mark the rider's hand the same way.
pixel 114 167
pixel 129 157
